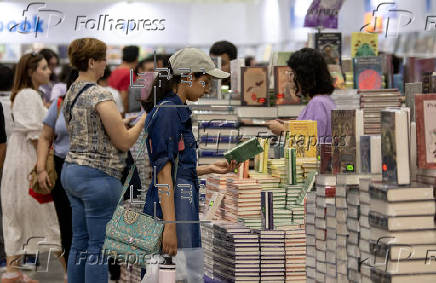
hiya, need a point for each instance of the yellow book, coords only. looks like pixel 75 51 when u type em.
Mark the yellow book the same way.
pixel 303 137
pixel 265 156
pixel 364 44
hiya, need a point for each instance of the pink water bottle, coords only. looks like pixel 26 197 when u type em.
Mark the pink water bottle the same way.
pixel 167 270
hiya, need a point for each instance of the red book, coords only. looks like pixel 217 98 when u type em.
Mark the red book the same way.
pixel 425 105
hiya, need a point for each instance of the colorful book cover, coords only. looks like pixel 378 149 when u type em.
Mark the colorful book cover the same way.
pixel 389 154
pixel 267 209
pixel 336 73
pixel 303 136
pixel 344 144
pixel 364 44
pixel 329 44
pixel 426 130
pixel 323 14
pixel 254 86
pixel 368 73
pixel 284 87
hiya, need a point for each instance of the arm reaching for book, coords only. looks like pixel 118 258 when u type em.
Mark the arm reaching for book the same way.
pixel 276 127
pixel 219 167
pixel 169 236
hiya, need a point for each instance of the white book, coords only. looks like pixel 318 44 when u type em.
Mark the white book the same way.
pixel 370 154
pixel 406 208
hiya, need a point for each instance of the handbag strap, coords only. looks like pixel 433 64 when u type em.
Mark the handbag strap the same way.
pixel 75 100
pixel 142 151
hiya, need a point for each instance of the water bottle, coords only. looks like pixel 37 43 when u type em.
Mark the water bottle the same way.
pixel 167 270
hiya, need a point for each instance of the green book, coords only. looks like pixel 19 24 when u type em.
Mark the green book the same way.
pixel 290 163
pixel 244 151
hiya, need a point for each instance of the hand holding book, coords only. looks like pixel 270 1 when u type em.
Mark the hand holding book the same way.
pixel 223 166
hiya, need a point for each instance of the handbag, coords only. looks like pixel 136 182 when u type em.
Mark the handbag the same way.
pixel 133 236
pixel 51 170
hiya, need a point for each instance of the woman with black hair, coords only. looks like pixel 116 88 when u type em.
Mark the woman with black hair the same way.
pixel 311 79
pixel 172 150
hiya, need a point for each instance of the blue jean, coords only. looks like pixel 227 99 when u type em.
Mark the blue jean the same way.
pixel 93 196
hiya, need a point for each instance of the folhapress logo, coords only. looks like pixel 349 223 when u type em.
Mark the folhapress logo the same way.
pixel 34 16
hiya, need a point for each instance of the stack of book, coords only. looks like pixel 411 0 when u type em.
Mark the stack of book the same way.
pixel 426 176
pixel 346 99
pixel 243 196
pixel 341 233
pixel 276 167
pixel 308 165
pixel 297 214
pixel 310 237
pixel 325 194
pixel 351 184
pixel 331 243
pixel 365 229
pixel 236 253
pixel 217 185
pixel 372 102
pixel 295 251
pixel 272 255
pixel 292 194
pixel 283 218
pixel 272 184
pixel 403 232
pixel 207 233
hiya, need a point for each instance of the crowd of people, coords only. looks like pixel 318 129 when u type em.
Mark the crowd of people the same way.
pixel 81 115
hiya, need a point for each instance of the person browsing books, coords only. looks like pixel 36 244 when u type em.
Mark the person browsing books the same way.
pixel 172 148
pixel 311 79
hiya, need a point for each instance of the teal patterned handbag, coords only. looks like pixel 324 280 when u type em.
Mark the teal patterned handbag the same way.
pixel 133 237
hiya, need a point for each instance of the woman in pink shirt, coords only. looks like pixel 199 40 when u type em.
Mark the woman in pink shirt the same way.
pixel 312 79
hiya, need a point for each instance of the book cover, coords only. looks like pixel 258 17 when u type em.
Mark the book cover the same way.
pixel 267 209
pixel 284 87
pixel 336 73
pixel 411 89
pixel 364 44
pixel 346 128
pixel 326 158
pixel 244 151
pixel 254 86
pixel 303 136
pixel 426 130
pixel 395 146
pixel 329 44
pixel 368 73
pixel 235 74
pixel 365 154
pixel 215 85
